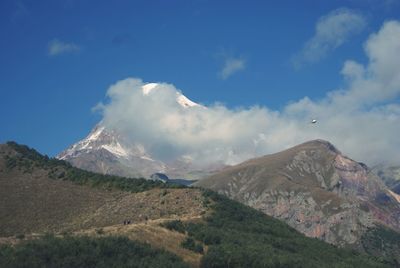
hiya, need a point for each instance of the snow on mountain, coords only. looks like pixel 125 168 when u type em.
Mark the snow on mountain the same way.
pixel 185 102
pixel 180 98
pixel 149 87
pixel 108 151
pixel 98 138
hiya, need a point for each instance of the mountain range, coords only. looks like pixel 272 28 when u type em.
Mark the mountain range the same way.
pixel 315 189
pixel 134 222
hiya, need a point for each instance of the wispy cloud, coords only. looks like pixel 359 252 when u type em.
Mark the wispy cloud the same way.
pixel 21 11
pixel 331 31
pixel 231 66
pixel 362 119
pixel 57 47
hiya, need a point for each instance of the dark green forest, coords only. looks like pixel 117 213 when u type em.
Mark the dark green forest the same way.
pixel 83 251
pixel 380 240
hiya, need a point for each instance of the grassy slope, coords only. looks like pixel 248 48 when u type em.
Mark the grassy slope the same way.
pixel 32 202
pixel 233 235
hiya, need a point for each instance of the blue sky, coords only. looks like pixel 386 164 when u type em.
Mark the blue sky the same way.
pixel 58 58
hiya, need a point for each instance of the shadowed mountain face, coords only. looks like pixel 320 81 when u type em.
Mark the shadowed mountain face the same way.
pixel 315 189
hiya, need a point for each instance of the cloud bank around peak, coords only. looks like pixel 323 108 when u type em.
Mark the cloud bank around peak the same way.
pixel 331 31
pixel 362 119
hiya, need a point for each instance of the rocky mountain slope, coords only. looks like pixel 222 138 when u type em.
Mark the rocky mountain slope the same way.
pixel 41 195
pixel 107 152
pixel 315 189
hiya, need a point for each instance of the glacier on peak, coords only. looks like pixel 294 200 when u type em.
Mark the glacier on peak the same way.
pixel 147 88
pixel 180 98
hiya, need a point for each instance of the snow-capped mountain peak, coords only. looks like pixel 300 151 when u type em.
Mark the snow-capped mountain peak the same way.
pixel 185 102
pixel 98 138
pixel 107 151
pixel 148 88
pixel 110 150
pixel 180 98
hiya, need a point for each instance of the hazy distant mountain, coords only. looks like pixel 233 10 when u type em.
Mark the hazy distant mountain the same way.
pixel 390 176
pixel 108 151
pixel 315 189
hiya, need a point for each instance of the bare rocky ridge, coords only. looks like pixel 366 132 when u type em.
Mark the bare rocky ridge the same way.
pixel 315 189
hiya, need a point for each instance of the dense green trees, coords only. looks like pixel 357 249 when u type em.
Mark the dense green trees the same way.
pixel 175 225
pixel 380 240
pixel 85 252
pixel 190 244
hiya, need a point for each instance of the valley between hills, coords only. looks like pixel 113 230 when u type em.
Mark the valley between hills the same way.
pixel 201 134
pixel 53 214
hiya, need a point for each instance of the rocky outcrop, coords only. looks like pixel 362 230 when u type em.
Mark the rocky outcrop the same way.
pixel 315 189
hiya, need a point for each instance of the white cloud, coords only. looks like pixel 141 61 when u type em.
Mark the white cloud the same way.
pixel 331 31
pixel 362 119
pixel 57 47
pixel 231 66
